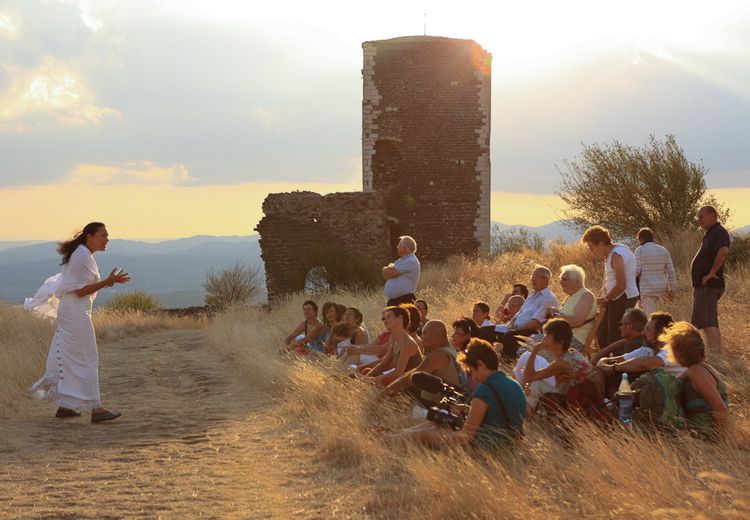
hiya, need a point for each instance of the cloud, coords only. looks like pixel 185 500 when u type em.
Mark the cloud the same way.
pixel 10 24
pixel 51 93
pixel 263 117
pixel 141 173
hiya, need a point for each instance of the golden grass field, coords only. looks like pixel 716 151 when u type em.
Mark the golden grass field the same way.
pixel 319 425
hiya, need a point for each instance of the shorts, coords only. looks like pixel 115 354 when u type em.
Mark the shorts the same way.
pixel 706 307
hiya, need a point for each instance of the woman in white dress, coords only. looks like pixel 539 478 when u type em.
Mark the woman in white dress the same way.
pixel 72 375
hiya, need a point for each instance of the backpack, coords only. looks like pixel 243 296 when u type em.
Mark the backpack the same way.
pixel 660 406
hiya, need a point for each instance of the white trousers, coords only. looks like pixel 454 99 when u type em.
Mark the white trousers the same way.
pixel 649 304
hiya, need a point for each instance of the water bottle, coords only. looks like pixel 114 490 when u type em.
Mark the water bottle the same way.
pixel 625 397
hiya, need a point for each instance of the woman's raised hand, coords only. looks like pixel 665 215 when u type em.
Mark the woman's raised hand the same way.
pixel 117 276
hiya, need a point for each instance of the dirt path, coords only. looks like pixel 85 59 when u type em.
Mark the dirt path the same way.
pixel 194 440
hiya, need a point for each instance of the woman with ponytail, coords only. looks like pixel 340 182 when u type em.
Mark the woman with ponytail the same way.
pixel 72 375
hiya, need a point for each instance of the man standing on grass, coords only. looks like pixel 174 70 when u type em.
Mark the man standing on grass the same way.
pixel 653 265
pixel 707 271
pixel 401 277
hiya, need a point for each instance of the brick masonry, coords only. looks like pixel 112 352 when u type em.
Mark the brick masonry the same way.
pixel 295 222
pixel 425 164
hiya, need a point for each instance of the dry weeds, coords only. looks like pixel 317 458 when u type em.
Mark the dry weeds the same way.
pixel 557 472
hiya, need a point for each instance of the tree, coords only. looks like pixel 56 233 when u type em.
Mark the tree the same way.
pixel 514 240
pixel 238 284
pixel 625 188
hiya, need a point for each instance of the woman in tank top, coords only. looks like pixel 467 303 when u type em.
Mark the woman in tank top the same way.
pixel 402 354
pixel 579 309
pixel 620 291
pixel 704 393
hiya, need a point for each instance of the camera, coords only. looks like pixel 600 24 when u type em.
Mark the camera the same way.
pixel 445 417
pixel 441 413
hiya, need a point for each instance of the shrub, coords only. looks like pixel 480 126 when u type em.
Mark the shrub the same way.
pixel 739 251
pixel 235 285
pixel 514 240
pixel 133 301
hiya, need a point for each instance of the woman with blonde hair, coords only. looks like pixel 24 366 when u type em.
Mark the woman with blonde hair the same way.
pixel 579 308
pixel 704 392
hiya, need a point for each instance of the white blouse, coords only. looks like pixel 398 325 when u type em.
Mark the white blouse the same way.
pixel 80 271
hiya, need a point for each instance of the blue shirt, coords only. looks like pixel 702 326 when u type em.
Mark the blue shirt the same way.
pixel 406 282
pixel 534 308
pixel 494 428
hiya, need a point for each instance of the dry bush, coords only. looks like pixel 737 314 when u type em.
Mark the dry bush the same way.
pixel 133 301
pixel 555 472
pixel 235 285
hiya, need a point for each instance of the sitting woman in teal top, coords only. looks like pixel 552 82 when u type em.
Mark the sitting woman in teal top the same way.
pixel 497 410
pixel 704 393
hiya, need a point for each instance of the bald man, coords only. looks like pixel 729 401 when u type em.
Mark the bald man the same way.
pixel 707 272
pixel 439 360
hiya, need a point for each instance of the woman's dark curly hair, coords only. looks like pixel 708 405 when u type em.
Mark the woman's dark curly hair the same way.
pixel 339 312
pixel 67 248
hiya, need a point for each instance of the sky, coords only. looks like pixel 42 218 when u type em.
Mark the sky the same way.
pixel 174 118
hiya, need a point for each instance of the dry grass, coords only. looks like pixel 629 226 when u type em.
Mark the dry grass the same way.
pixel 554 473
pixel 25 340
pixel 112 325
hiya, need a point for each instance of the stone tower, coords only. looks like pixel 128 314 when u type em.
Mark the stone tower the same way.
pixel 426 140
pixel 425 163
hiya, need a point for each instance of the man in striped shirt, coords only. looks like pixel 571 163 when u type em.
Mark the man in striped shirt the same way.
pixel 653 265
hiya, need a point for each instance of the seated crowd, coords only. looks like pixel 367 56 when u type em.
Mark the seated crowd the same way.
pixel 548 344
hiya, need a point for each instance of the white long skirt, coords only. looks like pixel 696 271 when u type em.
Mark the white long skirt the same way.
pixel 72 375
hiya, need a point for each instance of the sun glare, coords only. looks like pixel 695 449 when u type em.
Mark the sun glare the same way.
pixel 531 36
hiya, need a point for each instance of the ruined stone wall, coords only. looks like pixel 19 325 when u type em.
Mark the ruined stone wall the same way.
pixel 426 140
pixel 295 223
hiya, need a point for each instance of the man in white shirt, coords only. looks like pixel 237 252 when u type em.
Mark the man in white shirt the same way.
pixel 653 266
pixel 651 355
pixel 532 314
pixel 401 277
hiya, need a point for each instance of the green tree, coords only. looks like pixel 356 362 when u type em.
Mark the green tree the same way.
pixel 235 285
pixel 625 188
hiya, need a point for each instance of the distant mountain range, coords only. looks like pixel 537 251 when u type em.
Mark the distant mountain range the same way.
pixel 559 231
pixel 556 230
pixel 173 271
